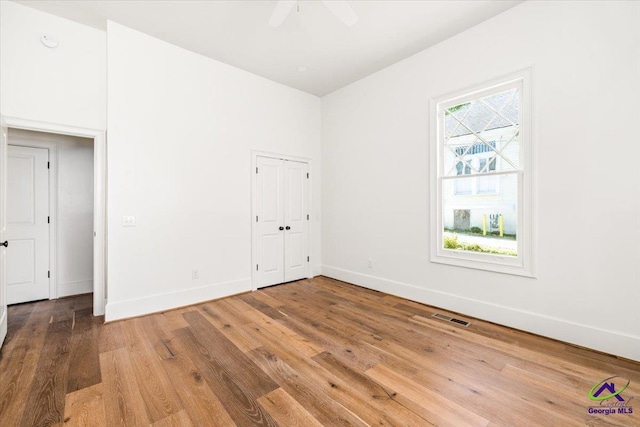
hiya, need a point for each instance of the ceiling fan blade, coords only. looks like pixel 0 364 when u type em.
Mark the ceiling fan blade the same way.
pixel 280 13
pixel 342 9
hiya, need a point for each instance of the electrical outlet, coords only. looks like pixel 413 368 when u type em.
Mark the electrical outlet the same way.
pixel 370 263
pixel 195 274
pixel 128 221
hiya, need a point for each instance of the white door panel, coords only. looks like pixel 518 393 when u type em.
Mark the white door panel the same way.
pixel 27 224
pixel 271 250
pixel 295 218
pixel 271 181
pixel 21 273
pixel 294 182
pixel 20 189
pixel 295 251
pixel 270 217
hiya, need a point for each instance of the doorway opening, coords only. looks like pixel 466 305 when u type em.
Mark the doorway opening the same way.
pixel 49 225
pixel 98 246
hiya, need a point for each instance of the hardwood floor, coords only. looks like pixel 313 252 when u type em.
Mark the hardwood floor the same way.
pixel 309 353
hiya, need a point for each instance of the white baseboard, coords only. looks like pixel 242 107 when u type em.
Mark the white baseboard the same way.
pixel 611 342
pixel 155 303
pixel 75 288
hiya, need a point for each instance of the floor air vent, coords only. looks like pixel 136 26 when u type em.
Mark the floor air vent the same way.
pixel 451 319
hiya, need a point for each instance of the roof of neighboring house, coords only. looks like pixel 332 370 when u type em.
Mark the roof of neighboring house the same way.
pixel 477 115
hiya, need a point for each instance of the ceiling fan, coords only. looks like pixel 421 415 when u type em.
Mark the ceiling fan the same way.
pixel 340 8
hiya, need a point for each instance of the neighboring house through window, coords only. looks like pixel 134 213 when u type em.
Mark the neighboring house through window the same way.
pixel 482 177
pixel 479 159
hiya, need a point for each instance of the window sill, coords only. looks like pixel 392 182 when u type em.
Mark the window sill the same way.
pixel 486 262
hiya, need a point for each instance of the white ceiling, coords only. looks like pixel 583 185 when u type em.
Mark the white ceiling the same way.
pixel 237 32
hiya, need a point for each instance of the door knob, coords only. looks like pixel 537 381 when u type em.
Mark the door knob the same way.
pixel 280 228
pixel 5 244
pixel 288 228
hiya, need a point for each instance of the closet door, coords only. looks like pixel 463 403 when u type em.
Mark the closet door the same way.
pixel 295 219
pixel 270 221
pixel 282 221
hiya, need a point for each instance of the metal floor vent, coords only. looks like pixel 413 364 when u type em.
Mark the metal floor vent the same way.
pixel 451 319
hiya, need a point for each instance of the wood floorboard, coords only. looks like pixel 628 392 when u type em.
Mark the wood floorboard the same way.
pixel 84 408
pixel 229 357
pixel 385 399
pixel 238 400
pixel 153 382
pixel 341 345
pixel 83 357
pixel 305 391
pixel 323 380
pixel 45 401
pixel 19 319
pixel 307 353
pixel 18 367
pixel 230 326
pixel 286 410
pixel 123 403
pixel 159 335
pixel 180 419
pixel 200 402
pixel 111 337
pixel 432 406
pixel 269 300
pixel 273 313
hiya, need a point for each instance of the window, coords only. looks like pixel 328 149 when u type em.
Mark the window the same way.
pixel 482 178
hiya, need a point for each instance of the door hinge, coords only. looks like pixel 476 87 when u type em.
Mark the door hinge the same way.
pixel 307 217
pixel 256 267
pixel 307 175
pixel 256 170
pixel 49 274
pixel 48 220
pixel 48 165
pixel 307 259
pixel 256 218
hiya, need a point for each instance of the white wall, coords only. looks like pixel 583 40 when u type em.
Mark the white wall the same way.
pixel 65 85
pixel 75 216
pixel 586 67
pixel 181 129
pixel 74 212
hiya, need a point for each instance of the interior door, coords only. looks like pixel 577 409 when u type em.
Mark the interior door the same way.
pixel 27 230
pixel 270 221
pixel 296 221
pixel 3 227
pixel 282 206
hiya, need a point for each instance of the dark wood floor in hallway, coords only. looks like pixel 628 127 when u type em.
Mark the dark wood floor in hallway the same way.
pixel 308 353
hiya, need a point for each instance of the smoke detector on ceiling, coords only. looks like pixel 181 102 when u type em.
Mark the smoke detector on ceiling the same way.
pixel 49 41
pixel 340 8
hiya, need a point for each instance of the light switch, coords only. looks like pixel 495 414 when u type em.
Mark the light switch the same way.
pixel 128 221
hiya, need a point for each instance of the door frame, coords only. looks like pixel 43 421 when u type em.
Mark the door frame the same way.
pixel 254 205
pixel 99 199
pixel 4 132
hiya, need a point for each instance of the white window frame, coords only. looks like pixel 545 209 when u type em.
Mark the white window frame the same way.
pixel 523 263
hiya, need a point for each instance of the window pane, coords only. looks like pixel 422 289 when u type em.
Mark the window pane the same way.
pixel 463 186
pixel 487 184
pixel 485 221
pixel 485 127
